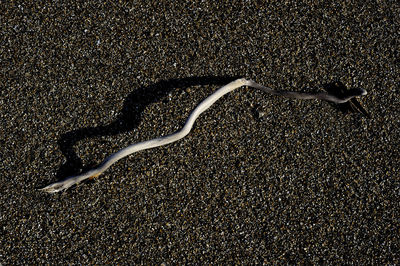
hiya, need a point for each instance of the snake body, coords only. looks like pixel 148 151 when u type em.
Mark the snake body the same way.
pixel 203 106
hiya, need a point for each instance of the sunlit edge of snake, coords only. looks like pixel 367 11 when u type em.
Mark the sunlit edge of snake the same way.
pixel 203 106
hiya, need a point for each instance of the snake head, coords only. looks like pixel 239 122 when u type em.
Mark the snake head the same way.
pixel 341 91
pixel 355 92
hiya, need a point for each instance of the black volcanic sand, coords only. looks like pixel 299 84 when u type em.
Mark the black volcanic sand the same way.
pixel 260 179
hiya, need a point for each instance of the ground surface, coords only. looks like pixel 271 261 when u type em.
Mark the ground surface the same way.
pixel 260 179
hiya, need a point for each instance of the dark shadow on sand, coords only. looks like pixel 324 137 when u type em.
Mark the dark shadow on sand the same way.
pixel 129 118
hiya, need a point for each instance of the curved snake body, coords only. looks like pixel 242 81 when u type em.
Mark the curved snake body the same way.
pixel 203 106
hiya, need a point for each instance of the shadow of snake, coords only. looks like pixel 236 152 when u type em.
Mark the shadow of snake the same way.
pixel 129 118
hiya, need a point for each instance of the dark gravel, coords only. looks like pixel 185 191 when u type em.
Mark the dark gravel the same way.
pixel 260 179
